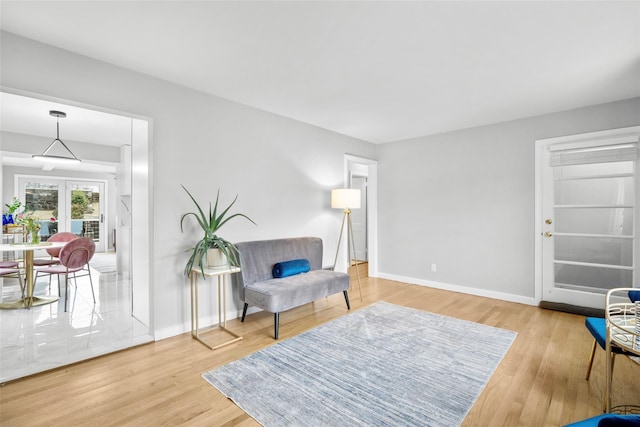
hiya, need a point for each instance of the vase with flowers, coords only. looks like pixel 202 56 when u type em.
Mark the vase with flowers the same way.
pixel 14 208
pixel 31 226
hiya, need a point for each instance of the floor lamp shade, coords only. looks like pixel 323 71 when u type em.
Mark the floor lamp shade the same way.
pixel 345 198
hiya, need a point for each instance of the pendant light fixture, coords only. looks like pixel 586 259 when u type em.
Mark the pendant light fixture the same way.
pixel 52 158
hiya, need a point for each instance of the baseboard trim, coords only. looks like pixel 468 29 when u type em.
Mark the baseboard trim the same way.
pixel 462 289
pixel 204 322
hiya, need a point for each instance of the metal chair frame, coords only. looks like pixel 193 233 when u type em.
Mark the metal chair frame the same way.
pixel 65 258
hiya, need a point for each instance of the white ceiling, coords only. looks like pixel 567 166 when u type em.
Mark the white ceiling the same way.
pixel 29 116
pixel 21 114
pixel 375 70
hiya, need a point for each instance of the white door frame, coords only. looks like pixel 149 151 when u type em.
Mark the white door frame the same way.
pixel 540 147
pixel 372 205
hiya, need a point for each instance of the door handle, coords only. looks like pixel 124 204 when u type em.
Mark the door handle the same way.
pixel 548 234
pixel 548 221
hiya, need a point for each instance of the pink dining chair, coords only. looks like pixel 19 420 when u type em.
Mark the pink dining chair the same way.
pixel 8 264
pixel 12 272
pixel 10 269
pixel 63 236
pixel 74 257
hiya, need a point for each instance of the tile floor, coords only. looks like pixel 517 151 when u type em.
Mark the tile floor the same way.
pixel 46 337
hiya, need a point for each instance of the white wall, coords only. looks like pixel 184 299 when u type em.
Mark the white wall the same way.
pixel 281 169
pixel 464 201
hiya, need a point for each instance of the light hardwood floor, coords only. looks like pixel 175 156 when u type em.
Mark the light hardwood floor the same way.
pixel 540 382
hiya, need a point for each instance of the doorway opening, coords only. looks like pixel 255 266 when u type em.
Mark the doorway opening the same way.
pixel 85 201
pixel 359 221
pixel 362 173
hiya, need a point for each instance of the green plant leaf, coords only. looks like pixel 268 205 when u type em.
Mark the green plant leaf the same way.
pixel 210 225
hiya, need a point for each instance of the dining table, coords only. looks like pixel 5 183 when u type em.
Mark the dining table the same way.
pixel 29 299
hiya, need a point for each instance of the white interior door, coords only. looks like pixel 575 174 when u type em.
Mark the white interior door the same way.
pixel 587 215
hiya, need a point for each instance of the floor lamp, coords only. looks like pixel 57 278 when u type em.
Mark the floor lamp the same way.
pixel 347 199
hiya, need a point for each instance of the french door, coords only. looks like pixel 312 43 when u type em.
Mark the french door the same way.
pixel 66 205
pixel 587 216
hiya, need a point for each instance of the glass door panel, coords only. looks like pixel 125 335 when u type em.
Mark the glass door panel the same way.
pixel 42 199
pixel 614 221
pixel 590 278
pixel 595 250
pixel 595 191
pixel 86 204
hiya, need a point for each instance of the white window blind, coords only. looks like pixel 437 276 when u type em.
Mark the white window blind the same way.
pixel 598 154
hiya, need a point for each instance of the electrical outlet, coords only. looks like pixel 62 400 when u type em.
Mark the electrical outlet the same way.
pixel 434 268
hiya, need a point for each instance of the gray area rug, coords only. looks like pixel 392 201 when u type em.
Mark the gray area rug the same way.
pixel 384 365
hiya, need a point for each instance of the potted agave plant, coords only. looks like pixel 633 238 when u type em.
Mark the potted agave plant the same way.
pixel 212 250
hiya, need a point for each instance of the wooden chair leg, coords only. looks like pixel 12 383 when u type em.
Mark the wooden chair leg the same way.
pixel 593 353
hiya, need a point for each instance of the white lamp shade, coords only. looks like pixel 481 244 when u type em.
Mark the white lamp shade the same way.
pixel 345 198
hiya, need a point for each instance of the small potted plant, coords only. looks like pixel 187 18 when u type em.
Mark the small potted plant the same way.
pixel 212 250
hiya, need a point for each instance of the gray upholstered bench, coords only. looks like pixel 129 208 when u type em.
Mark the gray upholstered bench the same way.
pixel 258 287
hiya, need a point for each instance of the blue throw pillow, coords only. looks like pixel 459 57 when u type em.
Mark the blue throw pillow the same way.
pixel 290 268
pixel 634 296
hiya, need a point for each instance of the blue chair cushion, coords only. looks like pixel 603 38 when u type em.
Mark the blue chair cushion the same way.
pixel 620 421
pixel 634 296
pixel 290 268
pixel 608 420
pixel 597 327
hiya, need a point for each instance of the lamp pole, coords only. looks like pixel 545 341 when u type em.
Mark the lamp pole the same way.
pixel 347 199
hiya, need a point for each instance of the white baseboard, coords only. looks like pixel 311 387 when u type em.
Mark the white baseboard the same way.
pixel 462 289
